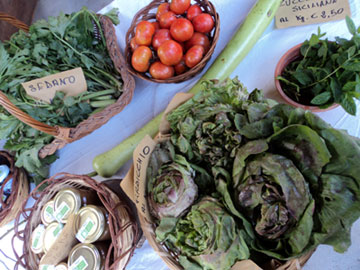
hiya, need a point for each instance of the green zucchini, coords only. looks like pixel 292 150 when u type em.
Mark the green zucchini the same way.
pixel 260 16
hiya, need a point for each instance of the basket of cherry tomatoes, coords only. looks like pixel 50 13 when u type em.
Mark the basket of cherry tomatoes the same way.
pixel 171 41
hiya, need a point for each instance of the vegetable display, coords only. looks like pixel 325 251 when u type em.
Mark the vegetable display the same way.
pixel 287 178
pixel 174 43
pixel 59 44
pixel 258 19
pixel 326 72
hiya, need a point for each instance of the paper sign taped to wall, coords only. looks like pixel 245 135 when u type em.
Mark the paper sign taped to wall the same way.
pixel 302 12
pixel 71 82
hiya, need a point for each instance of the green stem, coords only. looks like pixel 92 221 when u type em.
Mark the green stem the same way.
pixel 117 83
pixel 94 78
pixel 67 44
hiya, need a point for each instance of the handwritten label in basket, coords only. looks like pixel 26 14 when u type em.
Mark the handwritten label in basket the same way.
pixel 71 82
pixel 302 12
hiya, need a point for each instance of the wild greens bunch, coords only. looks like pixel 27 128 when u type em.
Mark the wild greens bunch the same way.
pixel 58 44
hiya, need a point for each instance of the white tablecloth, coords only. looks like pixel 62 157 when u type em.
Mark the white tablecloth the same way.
pixel 255 71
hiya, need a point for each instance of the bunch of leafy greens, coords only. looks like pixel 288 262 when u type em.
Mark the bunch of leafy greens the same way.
pixel 290 181
pixel 327 72
pixel 59 44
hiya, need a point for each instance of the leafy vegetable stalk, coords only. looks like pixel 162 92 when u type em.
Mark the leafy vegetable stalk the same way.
pixel 59 44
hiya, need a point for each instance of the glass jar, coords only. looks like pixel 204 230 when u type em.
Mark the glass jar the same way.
pixel 88 256
pixel 69 200
pixel 52 232
pixel 47 213
pixel 37 238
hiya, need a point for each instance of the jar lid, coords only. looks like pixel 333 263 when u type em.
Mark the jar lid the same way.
pixel 47 213
pixel 37 238
pixel 61 266
pixel 89 224
pixel 67 201
pixel 84 257
pixel 52 232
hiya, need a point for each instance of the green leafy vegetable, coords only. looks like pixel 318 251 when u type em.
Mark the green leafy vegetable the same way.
pixel 326 73
pixel 59 44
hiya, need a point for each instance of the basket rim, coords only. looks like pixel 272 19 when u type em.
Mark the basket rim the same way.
pixel 145 11
pixel 120 223
pixel 93 122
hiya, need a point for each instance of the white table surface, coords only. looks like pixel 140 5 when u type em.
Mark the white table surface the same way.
pixel 255 71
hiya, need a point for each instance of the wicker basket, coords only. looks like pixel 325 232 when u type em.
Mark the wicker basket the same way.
pixel 149 13
pixel 124 230
pixel 64 135
pixel 19 187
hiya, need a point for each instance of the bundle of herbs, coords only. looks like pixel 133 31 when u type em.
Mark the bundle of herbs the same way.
pixel 326 72
pixel 59 44
pixel 280 180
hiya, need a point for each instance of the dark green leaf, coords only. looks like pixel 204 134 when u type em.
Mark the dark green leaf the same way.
pixel 349 86
pixel 350 25
pixel 352 66
pixel 336 90
pixel 348 104
pixel 321 98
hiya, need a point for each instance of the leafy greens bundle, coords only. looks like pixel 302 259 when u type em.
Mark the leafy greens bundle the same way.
pixel 287 178
pixel 59 44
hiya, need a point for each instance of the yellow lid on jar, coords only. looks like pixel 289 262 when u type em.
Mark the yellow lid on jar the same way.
pixel 37 238
pixel 52 232
pixel 67 201
pixel 47 213
pixel 85 257
pixel 90 224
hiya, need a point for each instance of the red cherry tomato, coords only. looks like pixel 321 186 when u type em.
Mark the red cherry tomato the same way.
pixel 167 19
pixel 140 59
pixel 156 25
pixel 160 37
pixel 181 67
pixel 193 11
pixel 170 53
pixel 182 29
pixel 203 23
pixel 144 33
pixel 160 71
pixel 133 44
pixel 163 8
pixel 194 55
pixel 179 6
pixel 198 39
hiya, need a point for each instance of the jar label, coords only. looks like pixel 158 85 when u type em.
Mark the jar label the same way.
pixel 62 211
pixel 49 213
pixel 58 230
pixel 46 267
pixel 36 242
pixel 79 264
pixel 85 229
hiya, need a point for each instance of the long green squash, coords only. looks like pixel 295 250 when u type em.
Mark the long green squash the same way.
pixel 108 163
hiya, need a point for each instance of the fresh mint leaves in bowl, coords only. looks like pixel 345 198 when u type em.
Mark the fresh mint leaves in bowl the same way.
pixel 319 74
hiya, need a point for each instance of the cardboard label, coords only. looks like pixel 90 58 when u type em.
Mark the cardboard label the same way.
pixel 60 250
pixel 302 12
pixel 79 264
pixel 62 211
pixel 85 229
pixel 71 82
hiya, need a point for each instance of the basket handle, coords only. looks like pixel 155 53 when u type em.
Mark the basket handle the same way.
pixel 13 21
pixel 23 117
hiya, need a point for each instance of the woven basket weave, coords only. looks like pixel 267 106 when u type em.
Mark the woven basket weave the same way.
pixel 64 135
pixel 124 230
pixel 149 13
pixel 19 188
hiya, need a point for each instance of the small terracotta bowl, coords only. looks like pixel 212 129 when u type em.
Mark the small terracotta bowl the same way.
pixel 286 59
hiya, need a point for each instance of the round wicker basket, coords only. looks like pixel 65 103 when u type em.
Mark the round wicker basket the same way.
pixel 64 135
pixel 124 230
pixel 149 13
pixel 20 190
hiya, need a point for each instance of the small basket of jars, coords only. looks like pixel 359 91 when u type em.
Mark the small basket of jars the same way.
pixel 171 41
pixel 76 223
pixel 14 188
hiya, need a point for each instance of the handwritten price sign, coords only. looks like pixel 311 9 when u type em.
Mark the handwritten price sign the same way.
pixel 301 12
